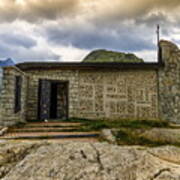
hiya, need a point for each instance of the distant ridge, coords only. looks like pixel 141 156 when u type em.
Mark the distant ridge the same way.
pixel 102 55
pixel 7 62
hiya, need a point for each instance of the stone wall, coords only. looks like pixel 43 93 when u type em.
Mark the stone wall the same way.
pixel 169 83
pixel 102 94
pixel 1 87
pixel 1 78
pixel 8 116
pixel 62 75
pixel 118 94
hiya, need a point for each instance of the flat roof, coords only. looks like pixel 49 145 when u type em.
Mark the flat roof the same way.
pixel 87 65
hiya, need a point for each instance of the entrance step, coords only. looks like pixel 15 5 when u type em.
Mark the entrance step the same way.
pixel 52 124
pixel 44 129
pixel 50 135
pixel 56 140
pixel 51 131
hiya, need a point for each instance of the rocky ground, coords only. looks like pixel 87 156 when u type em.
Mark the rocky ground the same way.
pixel 86 161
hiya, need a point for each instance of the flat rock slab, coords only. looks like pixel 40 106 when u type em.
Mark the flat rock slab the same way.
pixel 163 135
pixel 87 161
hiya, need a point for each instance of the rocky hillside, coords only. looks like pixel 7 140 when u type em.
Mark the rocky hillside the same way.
pixel 111 56
pixel 87 161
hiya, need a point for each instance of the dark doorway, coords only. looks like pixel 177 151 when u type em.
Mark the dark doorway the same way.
pixel 53 100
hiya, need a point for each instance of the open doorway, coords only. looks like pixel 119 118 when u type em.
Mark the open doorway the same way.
pixel 53 100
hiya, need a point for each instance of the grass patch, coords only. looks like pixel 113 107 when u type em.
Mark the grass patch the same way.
pixel 128 132
pixel 95 125
pixel 106 123
pixel 128 137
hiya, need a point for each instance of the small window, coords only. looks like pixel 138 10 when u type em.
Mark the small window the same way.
pixel 1 79
pixel 18 84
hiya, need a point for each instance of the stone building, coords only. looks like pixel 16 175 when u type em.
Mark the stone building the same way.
pixel 39 90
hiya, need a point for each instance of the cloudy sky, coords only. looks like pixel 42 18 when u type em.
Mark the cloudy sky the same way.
pixel 67 30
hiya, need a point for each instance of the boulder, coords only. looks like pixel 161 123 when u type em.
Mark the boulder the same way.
pixel 88 161
pixel 107 135
pixel 3 130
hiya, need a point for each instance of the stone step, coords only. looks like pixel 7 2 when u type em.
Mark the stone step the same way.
pixel 44 129
pixel 52 131
pixel 50 135
pixel 56 140
pixel 52 124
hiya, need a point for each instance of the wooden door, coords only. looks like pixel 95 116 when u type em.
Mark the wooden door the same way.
pixel 44 99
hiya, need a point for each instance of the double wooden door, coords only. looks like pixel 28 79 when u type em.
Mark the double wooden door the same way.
pixel 53 100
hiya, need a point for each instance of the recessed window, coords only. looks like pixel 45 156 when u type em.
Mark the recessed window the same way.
pixel 1 79
pixel 18 84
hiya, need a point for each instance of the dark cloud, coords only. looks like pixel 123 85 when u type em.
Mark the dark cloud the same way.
pixel 18 40
pixel 120 10
pixel 153 19
pixel 33 11
pixel 21 54
pixel 84 24
pixel 125 38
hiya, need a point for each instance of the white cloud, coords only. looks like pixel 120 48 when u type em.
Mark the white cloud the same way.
pixel 148 56
pixel 69 53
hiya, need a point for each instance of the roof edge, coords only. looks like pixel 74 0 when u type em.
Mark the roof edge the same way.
pixel 86 65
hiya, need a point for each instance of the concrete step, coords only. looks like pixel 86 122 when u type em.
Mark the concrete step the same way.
pixel 49 135
pixel 52 131
pixel 56 140
pixel 44 129
pixel 52 124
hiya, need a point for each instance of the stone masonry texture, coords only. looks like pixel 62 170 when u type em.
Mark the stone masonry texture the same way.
pixel 101 94
pixel 115 95
pixel 169 83
pixel 66 75
pixel 8 117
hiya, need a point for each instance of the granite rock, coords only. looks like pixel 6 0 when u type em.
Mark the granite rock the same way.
pixel 88 161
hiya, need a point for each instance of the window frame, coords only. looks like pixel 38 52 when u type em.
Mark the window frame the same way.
pixel 17 94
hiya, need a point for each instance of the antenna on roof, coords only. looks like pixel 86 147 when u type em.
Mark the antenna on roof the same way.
pixel 158 34
pixel 159 51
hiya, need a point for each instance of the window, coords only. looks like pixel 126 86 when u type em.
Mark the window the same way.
pixel 1 79
pixel 18 84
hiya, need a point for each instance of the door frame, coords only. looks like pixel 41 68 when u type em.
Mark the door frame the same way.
pixel 39 95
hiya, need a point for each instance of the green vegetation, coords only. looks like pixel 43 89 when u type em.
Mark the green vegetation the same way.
pixel 111 56
pixel 129 137
pixel 95 125
pixel 127 132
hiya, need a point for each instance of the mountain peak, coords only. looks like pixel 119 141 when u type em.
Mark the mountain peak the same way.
pixel 103 55
pixel 7 62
